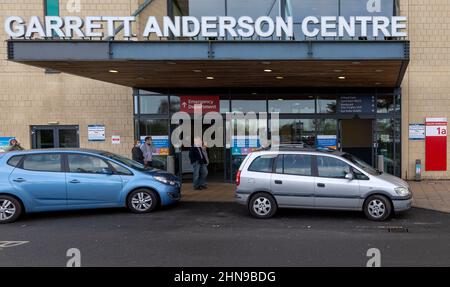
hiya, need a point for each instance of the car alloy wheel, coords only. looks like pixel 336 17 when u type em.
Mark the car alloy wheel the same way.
pixel 7 209
pixel 262 206
pixel 141 201
pixel 376 208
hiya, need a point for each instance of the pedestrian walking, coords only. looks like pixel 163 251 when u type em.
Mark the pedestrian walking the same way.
pixel 136 152
pixel 147 151
pixel 199 160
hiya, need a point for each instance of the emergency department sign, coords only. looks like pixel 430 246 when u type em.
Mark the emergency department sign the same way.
pixel 436 144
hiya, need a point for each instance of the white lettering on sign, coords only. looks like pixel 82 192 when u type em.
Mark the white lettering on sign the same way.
pixel 436 127
pixel 206 26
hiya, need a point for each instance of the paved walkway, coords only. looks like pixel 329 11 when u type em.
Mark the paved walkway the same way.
pixel 427 194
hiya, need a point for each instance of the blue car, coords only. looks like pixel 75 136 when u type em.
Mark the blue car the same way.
pixel 65 179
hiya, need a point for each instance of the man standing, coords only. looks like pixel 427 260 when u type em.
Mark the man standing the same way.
pixel 199 159
pixel 147 150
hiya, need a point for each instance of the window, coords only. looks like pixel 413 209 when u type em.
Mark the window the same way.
pixel 385 104
pixel 154 104
pixel 292 104
pixel 51 7
pixel 14 161
pixel 279 164
pixel 297 164
pixel 120 169
pixel 43 162
pixel 359 175
pixel 332 167
pixel 79 163
pixel 326 104
pixel 262 164
pixel 297 131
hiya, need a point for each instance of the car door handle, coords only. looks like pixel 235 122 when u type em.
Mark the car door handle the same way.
pixel 278 182
pixel 321 184
pixel 19 180
pixel 74 181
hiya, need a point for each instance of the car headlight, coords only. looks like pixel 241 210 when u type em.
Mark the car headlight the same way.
pixel 165 180
pixel 402 191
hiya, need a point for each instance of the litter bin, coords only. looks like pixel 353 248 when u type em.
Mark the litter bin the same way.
pixel 418 176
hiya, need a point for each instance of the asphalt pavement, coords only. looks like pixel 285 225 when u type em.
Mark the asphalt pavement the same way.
pixel 223 234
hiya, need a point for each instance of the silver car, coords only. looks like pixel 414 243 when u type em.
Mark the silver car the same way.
pixel 317 179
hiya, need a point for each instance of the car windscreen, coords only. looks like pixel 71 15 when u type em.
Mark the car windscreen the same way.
pixel 361 164
pixel 126 161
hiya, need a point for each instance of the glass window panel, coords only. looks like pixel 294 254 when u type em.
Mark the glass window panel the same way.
pixel 79 163
pixel 326 126
pixel 366 8
pixel 120 169
pixel 292 104
pixel 68 138
pixel 332 167
pixel 297 164
pixel 154 104
pixel 262 164
pixel 52 7
pixel 153 127
pixel 385 139
pixel 14 161
pixel 326 104
pixel 385 104
pixel 249 105
pixel 253 8
pixel 43 162
pixel 297 131
pixel 279 164
pixel 300 9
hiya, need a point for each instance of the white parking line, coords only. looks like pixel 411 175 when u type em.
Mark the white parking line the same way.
pixel 8 244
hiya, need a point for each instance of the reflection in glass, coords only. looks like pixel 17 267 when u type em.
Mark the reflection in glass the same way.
pixel 326 104
pixel 297 131
pixel 385 104
pixel 385 134
pixel 295 104
pixel 154 104
pixel 326 126
pixel 253 8
pixel 248 106
pixel 300 9
pixel 153 127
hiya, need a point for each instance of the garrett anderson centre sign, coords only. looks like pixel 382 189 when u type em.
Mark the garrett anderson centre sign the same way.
pixel 207 26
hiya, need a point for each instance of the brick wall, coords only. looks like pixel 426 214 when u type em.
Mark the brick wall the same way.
pixel 426 88
pixel 28 96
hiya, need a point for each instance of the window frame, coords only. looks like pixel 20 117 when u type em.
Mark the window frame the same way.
pixel 336 158
pixel 282 160
pixel 61 162
pixel 67 165
pixel 274 156
pixel 18 163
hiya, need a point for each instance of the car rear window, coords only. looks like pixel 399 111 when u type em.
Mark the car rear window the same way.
pixel 14 161
pixel 262 164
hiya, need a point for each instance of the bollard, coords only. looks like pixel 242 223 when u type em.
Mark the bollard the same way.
pixel 380 162
pixel 171 164
pixel 418 176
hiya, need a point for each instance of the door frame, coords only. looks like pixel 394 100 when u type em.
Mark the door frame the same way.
pixel 55 129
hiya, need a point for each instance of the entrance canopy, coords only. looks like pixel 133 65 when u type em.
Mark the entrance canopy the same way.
pixel 203 64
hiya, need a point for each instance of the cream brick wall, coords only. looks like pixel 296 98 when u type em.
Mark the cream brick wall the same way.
pixel 426 87
pixel 28 96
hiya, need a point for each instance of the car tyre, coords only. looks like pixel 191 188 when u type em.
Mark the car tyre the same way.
pixel 10 209
pixel 377 208
pixel 142 201
pixel 262 205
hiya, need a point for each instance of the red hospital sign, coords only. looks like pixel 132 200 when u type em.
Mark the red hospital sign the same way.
pixel 436 144
pixel 209 103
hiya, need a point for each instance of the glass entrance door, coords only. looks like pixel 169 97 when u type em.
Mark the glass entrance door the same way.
pixel 55 137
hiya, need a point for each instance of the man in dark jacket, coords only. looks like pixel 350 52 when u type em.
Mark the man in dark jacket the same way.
pixel 136 152
pixel 199 159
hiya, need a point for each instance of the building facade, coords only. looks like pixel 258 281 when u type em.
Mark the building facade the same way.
pixel 355 91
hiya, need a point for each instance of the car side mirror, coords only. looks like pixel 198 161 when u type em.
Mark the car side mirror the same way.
pixel 107 171
pixel 349 176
